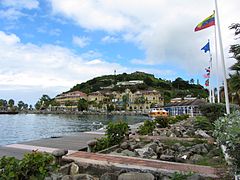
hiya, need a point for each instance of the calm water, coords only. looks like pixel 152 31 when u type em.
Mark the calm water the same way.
pixel 25 127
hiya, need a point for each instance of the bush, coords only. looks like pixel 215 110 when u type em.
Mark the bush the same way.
pixel 173 120
pixel 162 122
pixel 227 132
pixel 213 110
pixel 147 127
pixel 34 165
pixel 115 133
pixel 201 122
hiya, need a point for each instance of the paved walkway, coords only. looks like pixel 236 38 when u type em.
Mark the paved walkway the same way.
pixel 71 143
pixel 139 163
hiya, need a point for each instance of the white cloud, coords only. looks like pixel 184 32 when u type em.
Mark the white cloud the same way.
pixel 109 39
pixel 80 41
pixel 163 29
pixel 46 66
pixel 11 14
pixel 21 4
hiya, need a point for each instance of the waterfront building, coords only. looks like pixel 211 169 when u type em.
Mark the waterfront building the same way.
pixel 185 106
pixel 71 98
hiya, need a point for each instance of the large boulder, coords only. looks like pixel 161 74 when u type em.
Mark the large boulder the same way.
pixel 145 152
pixel 74 169
pixel 128 153
pixel 124 145
pixel 152 145
pixel 202 133
pixel 195 158
pixel 164 157
pixel 199 149
pixel 135 176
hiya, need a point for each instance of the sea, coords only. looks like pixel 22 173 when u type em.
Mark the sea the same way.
pixel 25 127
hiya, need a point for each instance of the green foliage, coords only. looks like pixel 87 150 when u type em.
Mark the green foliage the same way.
pixel 34 165
pixel 213 110
pixel 147 127
pixel 227 132
pixel 179 87
pixel 201 122
pixel 178 118
pixel 82 105
pixel 115 133
pixel 162 122
pixel 181 175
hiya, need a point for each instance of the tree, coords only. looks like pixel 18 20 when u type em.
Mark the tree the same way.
pixel 11 103
pixel 21 105
pixel 125 100
pixel 192 81
pixel 234 81
pixel 82 105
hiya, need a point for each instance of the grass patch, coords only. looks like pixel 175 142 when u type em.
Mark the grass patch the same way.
pixel 184 143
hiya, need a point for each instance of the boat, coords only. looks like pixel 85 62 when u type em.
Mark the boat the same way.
pixel 158 112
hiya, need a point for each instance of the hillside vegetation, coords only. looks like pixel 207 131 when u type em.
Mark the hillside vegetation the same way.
pixel 169 89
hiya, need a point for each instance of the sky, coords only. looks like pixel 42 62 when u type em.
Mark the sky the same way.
pixel 48 46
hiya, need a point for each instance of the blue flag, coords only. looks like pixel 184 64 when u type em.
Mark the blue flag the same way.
pixel 206 48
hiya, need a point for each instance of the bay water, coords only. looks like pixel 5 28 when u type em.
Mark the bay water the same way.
pixel 25 127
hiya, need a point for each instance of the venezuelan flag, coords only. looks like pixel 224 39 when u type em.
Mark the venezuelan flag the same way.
pixel 209 21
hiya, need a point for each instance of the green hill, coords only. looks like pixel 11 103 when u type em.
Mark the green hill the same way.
pixel 170 89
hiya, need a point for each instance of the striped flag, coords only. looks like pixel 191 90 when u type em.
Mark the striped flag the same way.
pixel 209 21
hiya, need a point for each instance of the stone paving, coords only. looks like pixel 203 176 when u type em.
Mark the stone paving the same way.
pixel 142 163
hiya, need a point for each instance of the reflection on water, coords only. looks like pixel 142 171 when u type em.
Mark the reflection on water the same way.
pixel 25 127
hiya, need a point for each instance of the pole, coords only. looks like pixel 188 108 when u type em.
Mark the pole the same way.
pixel 210 87
pixel 223 62
pixel 217 68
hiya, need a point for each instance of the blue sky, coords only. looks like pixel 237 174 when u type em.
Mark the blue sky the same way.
pixel 47 46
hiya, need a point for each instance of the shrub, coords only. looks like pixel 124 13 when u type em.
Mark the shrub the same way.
pixel 34 165
pixel 147 127
pixel 227 132
pixel 181 176
pixel 214 111
pixel 201 122
pixel 115 133
pixel 173 120
pixel 162 122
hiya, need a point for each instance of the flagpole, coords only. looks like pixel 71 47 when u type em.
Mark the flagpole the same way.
pixel 217 66
pixel 223 61
pixel 210 87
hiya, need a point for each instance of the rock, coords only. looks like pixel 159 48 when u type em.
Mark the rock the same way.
pixel 159 150
pixel 145 152
pixel 169 152
pixel 83 177
pixel 202 133
pixel 152 145
pixel 135 176
pixel 67 177
pixel 109 176
pixel 124 145
pixel 65 169
pixel 176 146
pixel 59 152
pixel 56 176
pixel 196 157
pixel 128 153
pixel 92 142
pixel 199 149
pixel 118 150
pixel 167 158
pixel 47 178
pixel 74 169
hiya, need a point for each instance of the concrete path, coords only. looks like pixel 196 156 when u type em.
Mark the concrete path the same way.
pixel 71 143
pixel 141 164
